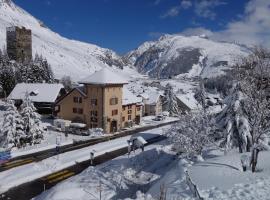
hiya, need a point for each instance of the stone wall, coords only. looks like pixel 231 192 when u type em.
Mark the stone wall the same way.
pixel 19 44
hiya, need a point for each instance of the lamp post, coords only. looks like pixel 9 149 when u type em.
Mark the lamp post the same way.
pixel 91 157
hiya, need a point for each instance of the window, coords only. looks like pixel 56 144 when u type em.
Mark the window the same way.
pixel 93 119
pixel 114 112
pixel 123 108
pixel 123 119
pixel 80 111
pixel 57 108
pixel 129 117
pixel 75 110
pixel 130 107
pixel 129 112
pixel 138 108
pixel 93 102
pixel 93 113
pixel 114 101
pixel 77 99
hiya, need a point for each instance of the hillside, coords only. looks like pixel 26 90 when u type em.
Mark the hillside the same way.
pixel 67 57
pixel 172 55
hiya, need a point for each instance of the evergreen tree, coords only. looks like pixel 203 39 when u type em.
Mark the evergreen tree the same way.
pixel 11 134
pixel 235 121
pixel 66 81
pixel 7 77
pixel 170 102
pixel 32 124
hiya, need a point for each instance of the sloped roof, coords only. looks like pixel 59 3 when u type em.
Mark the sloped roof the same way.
pixel 151 96
pixel 129 97
pixel 189 100
pixel 103 77
pixel 39 92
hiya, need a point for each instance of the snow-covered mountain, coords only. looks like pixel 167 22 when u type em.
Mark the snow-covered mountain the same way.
pixel 172 55
pixel 67 57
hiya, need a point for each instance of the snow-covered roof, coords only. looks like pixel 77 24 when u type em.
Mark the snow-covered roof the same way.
pixel 38 92
pixel 189 100
pixel 151 96
pixel 103 77
pixel 129 97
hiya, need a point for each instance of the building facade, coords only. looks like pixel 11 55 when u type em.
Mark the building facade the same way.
pixel 19 44
pixel 98 103
pixel 152 103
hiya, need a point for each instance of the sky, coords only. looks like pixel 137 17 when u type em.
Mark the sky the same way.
pixel 123 25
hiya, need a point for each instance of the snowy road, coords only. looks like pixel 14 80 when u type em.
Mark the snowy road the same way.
pixel 33 171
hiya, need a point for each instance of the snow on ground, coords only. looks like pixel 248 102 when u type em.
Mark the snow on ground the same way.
pixel 32 171
pixel 221 177
pixel 119 178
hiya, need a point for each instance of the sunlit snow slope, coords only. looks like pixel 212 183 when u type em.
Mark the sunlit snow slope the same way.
pixel 67 57
pixel 176 54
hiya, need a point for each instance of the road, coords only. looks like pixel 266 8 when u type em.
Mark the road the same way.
pixel 34 188
pixel 38 156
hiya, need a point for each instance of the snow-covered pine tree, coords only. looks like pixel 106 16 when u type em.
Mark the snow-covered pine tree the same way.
pixel 7 76
pixel 32 123
pixel 170 101
pixel 67 82
pixel 254 78
pixel 11 134
pixel 235 121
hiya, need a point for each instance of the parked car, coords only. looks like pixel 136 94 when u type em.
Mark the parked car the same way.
pixel 78 129
pixel 159 118
pixel 95 132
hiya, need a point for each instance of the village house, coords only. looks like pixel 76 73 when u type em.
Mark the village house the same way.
pixel 131 108
pixel 100 103
pixel 43 95
pixel 152 103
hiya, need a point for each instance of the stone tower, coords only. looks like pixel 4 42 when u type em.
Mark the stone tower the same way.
pixel 19 44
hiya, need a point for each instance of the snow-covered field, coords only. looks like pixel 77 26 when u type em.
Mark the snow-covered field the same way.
pixel 221 177
pixel 32 171
pixel 119 178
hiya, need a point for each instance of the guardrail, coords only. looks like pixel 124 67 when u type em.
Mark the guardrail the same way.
pixel 193 188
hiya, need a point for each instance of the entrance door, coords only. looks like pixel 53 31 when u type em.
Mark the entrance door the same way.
pixel 138 119
pixel 113 126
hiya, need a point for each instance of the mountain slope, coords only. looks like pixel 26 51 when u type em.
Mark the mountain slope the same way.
pixel 172 55
pixel 67 57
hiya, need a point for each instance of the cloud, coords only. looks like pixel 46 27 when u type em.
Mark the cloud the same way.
pixel 197 31
pixel 155 34
pixel 205 8
pixel 172 12
pixel 48 3
pixel 253 28
pixel 186 4
pixel 157 2
pixel 202 8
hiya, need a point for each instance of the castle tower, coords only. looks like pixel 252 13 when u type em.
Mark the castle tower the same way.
pixel 19 44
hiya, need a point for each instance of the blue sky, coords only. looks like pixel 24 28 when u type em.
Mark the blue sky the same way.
pixel 123 25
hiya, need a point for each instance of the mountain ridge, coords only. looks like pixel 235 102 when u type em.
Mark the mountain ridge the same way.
pixel 175 54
